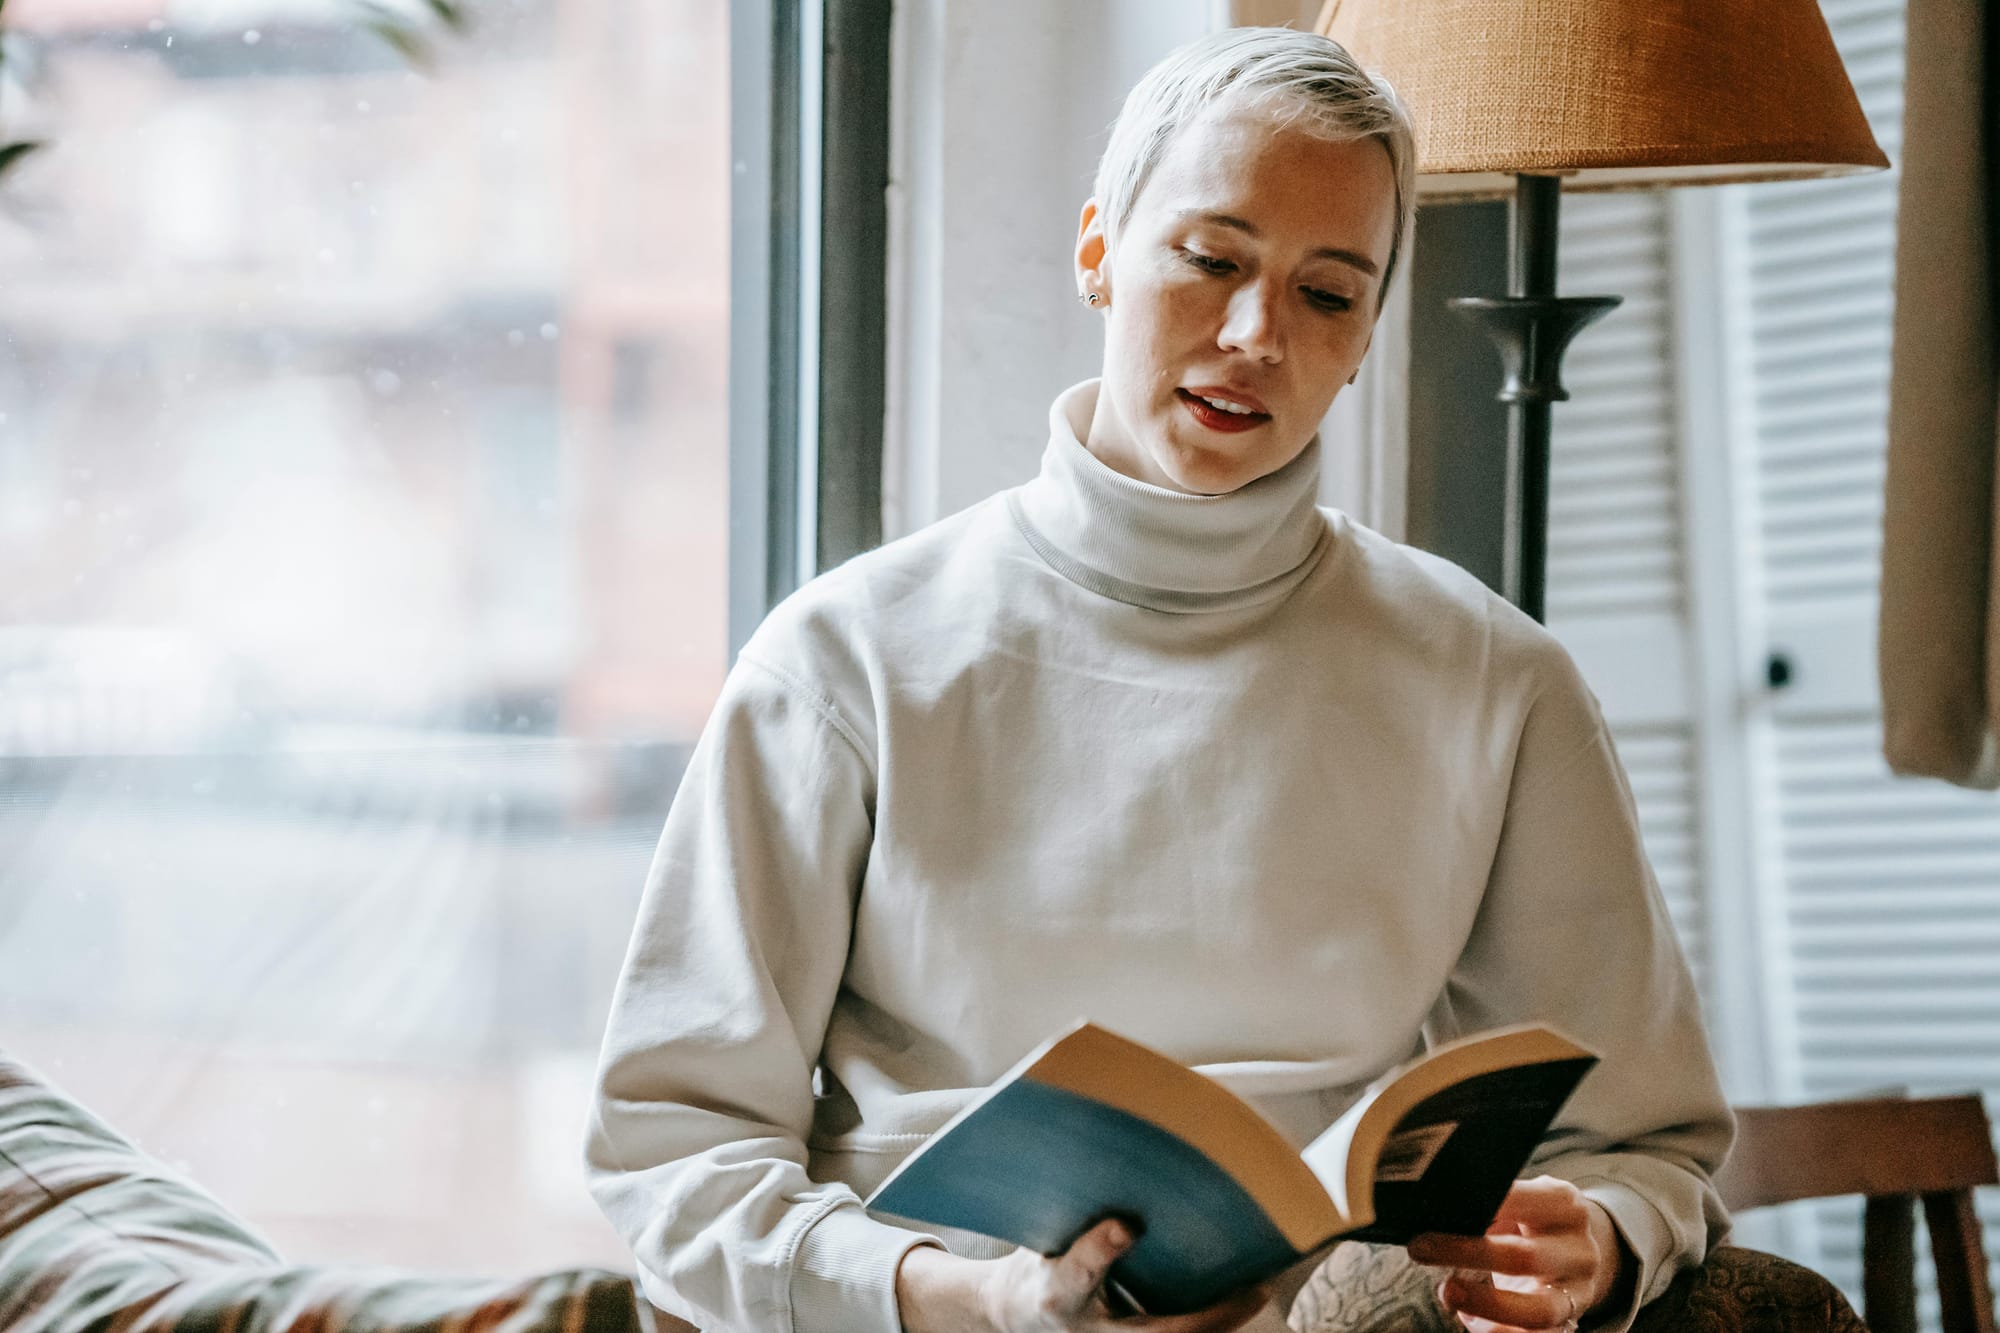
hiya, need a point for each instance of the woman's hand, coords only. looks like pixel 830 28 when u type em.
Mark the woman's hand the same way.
pixel 938 1292
pixel 1551 1259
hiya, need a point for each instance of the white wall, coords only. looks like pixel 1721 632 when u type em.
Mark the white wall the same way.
pixel 999 113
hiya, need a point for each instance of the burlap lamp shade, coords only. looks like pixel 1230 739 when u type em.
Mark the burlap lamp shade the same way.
pixel 1612 94
pixel 1529 98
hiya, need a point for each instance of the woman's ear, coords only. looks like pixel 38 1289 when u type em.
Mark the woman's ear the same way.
pixel 1093 271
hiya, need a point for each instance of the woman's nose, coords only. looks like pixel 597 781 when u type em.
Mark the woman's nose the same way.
pixel 1251 325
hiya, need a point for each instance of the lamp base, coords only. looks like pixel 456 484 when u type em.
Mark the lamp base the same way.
pixel 1532 327
pixel 1532 333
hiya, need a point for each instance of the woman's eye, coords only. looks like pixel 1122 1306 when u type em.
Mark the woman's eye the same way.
pixel 1207 263
pixel 1328 300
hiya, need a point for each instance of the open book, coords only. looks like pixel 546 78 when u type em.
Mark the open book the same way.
pixel 1092 1125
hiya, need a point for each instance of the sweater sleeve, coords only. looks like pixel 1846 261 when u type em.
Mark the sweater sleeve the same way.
pixel 696 1143
pixel 1572 930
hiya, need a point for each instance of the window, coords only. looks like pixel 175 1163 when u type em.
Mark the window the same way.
pixel 364 550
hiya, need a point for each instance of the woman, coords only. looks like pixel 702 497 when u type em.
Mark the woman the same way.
pixel 1154 741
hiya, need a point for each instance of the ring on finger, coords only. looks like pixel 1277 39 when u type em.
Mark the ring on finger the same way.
pixel 1570 1320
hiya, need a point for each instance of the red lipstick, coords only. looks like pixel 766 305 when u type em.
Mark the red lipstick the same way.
pixel 1215 418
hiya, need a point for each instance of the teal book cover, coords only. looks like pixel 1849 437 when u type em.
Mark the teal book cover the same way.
pixel 1093 1125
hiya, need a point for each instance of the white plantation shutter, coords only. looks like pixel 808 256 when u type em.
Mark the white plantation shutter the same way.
pixel 1895 927
pixel 1614 546
pixel 1820 271
pixel 1616 586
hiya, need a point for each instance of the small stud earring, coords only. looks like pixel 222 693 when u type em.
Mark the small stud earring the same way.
pixel 1088 298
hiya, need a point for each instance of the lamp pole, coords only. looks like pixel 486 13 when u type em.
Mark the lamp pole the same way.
pixel 1532 328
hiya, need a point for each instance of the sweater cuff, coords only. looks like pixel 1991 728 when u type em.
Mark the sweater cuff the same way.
pixel 844 1273
pixel 1651 1241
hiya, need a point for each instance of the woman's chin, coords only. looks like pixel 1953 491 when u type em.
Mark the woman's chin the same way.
pixel 1214 471
pixel 1209 476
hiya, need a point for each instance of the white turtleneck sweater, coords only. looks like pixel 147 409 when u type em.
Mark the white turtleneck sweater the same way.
pixel 1231 775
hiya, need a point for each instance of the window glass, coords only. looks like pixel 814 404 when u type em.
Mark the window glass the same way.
pixel 363 464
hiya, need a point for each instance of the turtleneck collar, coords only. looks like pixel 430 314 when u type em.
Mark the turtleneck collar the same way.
pixel 1163 549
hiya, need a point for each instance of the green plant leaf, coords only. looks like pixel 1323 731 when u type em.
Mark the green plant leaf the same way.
pixel 451 13
pixel 11 154
pixel 408 43
pixel 395 25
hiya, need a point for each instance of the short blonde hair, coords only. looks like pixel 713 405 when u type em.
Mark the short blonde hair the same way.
pixel 1299 78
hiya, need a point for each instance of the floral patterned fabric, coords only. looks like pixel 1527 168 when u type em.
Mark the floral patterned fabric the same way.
pixel 96 1236
pixel 1377 1289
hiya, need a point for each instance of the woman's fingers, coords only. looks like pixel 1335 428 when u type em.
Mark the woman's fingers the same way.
pixel 1542 1230
pixel 1070 1295
pixel 1541 1249
pixel 1520 1255
pixel 1080 1271
pixel 1474 1324
pixel 1562 1257
pixel 1542 1204
pixel 1542 1307
pixel 1552 1255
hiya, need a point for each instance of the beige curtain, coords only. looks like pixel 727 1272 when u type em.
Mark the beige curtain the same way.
pixel 1940 633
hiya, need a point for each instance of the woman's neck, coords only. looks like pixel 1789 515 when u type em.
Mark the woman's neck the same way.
pixel 1167 549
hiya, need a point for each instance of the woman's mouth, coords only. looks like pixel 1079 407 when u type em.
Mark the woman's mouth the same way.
pixel 1221 411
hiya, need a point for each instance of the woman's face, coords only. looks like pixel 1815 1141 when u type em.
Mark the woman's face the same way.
pixel 1239 298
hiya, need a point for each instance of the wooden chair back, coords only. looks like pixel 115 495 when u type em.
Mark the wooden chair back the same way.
pixel 1892 1151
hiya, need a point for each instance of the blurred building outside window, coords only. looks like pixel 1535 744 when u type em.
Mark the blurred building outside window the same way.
pixel 363 506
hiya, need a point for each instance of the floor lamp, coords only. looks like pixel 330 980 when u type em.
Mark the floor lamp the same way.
pixel 1526 98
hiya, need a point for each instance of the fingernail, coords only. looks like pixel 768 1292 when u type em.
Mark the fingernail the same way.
pixel 1120 1235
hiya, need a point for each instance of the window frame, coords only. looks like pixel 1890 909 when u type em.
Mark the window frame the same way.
pixel 809 130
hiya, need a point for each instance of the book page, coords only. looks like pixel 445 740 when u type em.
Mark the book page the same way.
pixel 1378 1141
pixel 1326 1156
